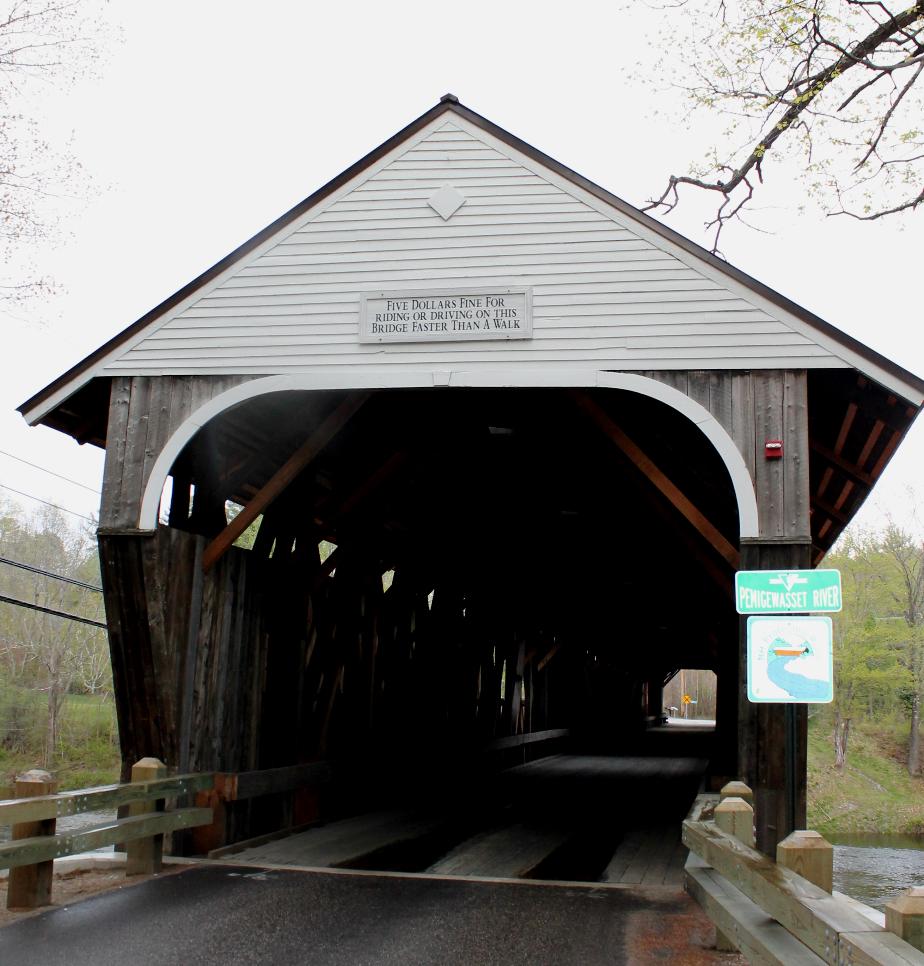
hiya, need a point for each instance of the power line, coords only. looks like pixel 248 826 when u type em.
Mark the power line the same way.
pixel 48 573
pixel 35 466
pixel 48 610
pixel 64 509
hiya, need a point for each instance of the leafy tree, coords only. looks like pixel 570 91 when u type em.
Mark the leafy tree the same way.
pixel 907 558
pixel 879 659
pixel 833 83
pixel 867 670
pixel 41 651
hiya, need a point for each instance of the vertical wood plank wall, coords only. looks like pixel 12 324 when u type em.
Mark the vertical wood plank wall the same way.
pixel 144 412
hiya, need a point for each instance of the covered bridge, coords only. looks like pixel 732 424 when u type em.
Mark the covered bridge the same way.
pixel 530 423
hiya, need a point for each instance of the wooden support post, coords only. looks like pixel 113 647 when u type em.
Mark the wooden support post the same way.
pixel 30 885
pixel 144 856
pixel 808 854
pixel 736 817
pixel 772 738
pixel 904 916
pixel 736 789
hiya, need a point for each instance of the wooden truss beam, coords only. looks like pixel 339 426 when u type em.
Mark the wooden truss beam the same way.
pixel 647 467
pixel 835 514
pixel 846 424
pixel 853 471
pixel 281 479
pixel 328 517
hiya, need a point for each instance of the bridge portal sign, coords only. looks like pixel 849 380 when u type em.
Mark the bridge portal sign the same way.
pixel 446 315
pixel 790 660
pixel 787 591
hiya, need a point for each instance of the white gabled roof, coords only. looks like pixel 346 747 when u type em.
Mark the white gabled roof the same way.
pixel 611 288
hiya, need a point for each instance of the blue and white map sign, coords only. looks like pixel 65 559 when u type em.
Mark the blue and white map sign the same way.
pixel 790 660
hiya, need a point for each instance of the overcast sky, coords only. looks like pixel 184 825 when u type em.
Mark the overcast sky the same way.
pixel 207 120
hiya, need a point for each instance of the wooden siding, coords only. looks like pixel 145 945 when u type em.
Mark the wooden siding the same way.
pixel 754 407
pixel 143 415
pixel 602 295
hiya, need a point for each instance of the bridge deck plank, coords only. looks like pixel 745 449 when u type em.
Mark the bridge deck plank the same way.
pixel 648 856
pixel 343 842
pixel 513 852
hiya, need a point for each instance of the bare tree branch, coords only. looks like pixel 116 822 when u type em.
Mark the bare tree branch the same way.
pixel 779 67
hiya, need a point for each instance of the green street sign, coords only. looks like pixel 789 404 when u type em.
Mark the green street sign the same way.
pixel 787 591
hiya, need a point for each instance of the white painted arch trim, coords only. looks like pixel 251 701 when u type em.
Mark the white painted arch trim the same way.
pixel 486 378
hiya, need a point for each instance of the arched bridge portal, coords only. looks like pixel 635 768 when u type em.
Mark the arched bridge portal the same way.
pixel 428 571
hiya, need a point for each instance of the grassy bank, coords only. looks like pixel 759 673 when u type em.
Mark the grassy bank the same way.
pixel 874 792
pixel 88 744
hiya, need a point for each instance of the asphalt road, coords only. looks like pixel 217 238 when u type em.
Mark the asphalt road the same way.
pixel 238 915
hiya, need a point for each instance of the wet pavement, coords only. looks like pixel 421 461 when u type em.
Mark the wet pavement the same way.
pixel 238 915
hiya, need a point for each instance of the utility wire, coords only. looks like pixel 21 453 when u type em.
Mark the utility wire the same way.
pixel 35 466
pixel 48 573
pixel 48 610
pixel 64 509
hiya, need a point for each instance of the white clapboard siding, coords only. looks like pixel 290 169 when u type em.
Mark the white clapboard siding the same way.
pixel 603 295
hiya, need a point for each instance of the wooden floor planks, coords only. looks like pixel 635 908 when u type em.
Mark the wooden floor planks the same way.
pixel 343 842
pixel 648 856
pixel 547 803
pixel 512 853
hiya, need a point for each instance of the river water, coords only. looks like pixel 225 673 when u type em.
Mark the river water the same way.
pixel 874 868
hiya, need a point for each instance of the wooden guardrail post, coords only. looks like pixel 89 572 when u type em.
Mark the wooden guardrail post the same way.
pixel 904 915
pixel 810 855
pixel 737 789
pixel 30 885
pixel 145 856
pixel 734 816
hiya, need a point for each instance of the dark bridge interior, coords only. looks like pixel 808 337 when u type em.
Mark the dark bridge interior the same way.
pixel 451 571
pixel 534 577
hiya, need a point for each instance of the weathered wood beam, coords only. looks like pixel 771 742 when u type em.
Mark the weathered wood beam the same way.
pixel 281 479
pixel 830 511
pixel 649 469
pixel 373 482
pixel 721 577
pixel 853 471
pixel 886 453
pixel 846 425
pixel 239 786
pixel 896 414
pixel 870 445
pixel 548 657
pixel 327 516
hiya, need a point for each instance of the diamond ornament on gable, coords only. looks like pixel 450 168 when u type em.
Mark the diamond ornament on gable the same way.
pixel 446 201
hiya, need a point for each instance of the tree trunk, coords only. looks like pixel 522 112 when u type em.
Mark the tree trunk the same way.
pixel 914 740
pixel 841 733
pixel 51 731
